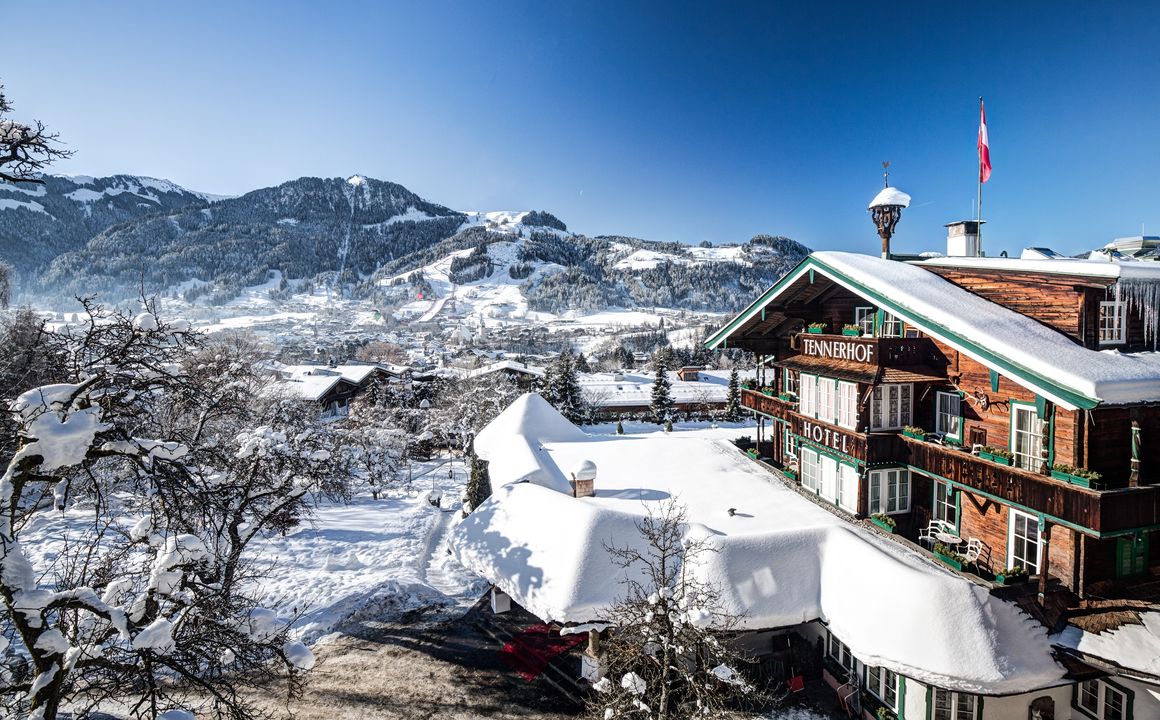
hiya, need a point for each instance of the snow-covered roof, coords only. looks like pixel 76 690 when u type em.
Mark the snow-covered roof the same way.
pixel 310 387
pixel 781 560
pixel 1019 347
pixel 510 365
pixel 890 196
pixel 1093 268
pixel 355 373
pixel 1132 646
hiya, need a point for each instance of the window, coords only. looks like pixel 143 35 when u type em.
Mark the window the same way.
pixel 826 399
pixel 953 705
pixel 1023 546
pixel 840 653
pixel 811 471
pixel 847 498
pixel 864 318
pixel 829 477
pixel 889 491
pixel 789 382
pixel 847 415
pixel 946 508
pixel 1026 437
pixel 891 326
pixel 1111 323
pixel 1102 700
pixel 808 395
pixel 1132 554
pixel 890 407
pixel 948 415
pixel 883 684
pixel 790 444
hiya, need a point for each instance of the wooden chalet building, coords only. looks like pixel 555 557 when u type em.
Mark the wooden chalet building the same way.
pixel 1011 407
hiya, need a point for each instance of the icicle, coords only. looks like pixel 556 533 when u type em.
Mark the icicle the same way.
pixel 1143 294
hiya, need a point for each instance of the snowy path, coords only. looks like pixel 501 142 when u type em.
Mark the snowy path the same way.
pixel 436 308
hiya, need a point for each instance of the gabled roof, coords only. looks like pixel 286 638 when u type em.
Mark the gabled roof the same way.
pixel 1014 345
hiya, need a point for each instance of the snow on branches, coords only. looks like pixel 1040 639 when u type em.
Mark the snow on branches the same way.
pixel 179 455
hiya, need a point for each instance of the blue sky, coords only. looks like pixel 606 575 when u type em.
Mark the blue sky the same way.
pixel 712 121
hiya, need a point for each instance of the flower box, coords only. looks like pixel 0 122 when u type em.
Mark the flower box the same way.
pixel 916 434
pixel 791 474
pixel 787 397
pixel 997 459
pixel 949 560
pixel 767 391
pixel 751 453
pixel 815 330
pixel 883 524
pixel 1076 476
pixel 856 332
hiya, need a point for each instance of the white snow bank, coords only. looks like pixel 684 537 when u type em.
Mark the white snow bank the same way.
pixel 929 302
pixel 781 560
pixel 890 196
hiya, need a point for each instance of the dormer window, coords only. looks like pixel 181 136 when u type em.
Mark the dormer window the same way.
pixel 1111 323
pixel 891 326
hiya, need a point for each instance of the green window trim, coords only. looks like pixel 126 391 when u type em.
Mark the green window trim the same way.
pixel 1129 698
pixel 955 489
pixel 1132 555
pixel 958 437
pixel 930 703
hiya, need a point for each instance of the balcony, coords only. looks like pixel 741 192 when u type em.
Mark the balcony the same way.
pixel 863 358
pixel 1103 511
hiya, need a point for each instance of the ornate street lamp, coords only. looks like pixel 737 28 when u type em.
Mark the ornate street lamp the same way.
pixel 886 209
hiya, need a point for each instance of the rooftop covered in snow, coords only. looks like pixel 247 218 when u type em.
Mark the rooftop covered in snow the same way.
pixel 1014 345
pixel 781 559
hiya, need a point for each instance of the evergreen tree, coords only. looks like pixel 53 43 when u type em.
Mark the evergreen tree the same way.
pixel 733 401
pixel 478 485
pixel 569 398
pixel 547 385
pixel 582 364
pixel 619 427
pixel 662 397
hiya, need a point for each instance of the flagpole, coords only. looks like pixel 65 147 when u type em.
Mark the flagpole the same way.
pixel 979 205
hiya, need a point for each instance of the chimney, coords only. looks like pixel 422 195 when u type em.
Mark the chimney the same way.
pixel 584 480
pixel 963 239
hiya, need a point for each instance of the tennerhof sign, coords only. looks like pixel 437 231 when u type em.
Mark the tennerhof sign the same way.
pixel 835 348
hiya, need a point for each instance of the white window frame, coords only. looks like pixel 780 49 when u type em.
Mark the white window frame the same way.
pixel 1015 518
pixel 847 405
pixel 945 505
pixel 891 401
pixel 891 326
pixel 1032 458
pixel 954 712
pixel 883 683
pixel 829 477
pixel 791 447
pixel 789 382
pixel 827 399
pixel 864 318
pixel 1101 693
pixel 889 491
pixel 946 421
pixel 1115 331
pixel 846 488
pixel 839 653
pixel 811 469
pixel 808 394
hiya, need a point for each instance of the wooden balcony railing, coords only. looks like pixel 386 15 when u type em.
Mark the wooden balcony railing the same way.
pixel 1104 511
pixel 868 447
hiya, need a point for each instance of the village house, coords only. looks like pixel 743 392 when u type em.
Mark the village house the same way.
pixel 332 387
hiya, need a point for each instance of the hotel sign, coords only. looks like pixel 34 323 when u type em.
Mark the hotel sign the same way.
pixel 823 435
pixel 861 351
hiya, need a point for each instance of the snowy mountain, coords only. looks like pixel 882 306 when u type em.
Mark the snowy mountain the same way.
pixel 40 222
pixel 378 242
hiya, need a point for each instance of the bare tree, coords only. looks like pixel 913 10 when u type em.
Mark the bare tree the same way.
pixel 666 656
pixel 179 458
pixel 26 149
pixel 6 272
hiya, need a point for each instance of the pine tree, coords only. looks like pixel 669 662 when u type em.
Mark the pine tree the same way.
pixel 478 485
pixel 733 401
pixel 548 386
pixel 582 364
pixel 570 399
pixel 619 427
pixel 662 397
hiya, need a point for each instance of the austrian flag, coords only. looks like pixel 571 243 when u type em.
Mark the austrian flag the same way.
pixel 984 151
